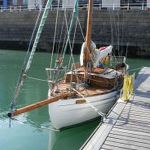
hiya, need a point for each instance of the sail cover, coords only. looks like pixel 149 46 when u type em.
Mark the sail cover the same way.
pixel 97 54
pixel 100 53
pixel 83 48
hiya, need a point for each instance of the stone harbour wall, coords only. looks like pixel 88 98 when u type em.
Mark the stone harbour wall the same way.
pixel 126 30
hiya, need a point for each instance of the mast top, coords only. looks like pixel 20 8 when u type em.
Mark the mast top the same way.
pixel 87 49
pixel 89 24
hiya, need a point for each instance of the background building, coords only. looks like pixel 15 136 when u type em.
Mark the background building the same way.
pixel 37 4
pixel 148 3
pixel 111 4
pixel 68 3
pixel 5 3
pixel 31 4
pixel 1 2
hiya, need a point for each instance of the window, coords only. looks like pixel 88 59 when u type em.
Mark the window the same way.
pixel 25 2
pixel 14 2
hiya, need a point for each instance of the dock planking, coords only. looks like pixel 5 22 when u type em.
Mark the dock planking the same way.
pixel 127 126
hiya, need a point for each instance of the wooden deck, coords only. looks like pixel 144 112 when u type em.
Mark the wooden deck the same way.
pixel 127 127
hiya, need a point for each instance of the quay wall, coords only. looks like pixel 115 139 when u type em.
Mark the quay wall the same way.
pixel 124 29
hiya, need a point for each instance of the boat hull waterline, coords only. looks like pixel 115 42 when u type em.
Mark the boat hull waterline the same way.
pixel 64 113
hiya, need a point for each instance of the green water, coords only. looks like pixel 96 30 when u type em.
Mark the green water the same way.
pixel 32 130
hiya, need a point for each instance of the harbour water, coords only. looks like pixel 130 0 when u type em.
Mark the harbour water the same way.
pixel 32 130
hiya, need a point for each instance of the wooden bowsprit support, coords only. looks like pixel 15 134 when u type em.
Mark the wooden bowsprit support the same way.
pixel 38 104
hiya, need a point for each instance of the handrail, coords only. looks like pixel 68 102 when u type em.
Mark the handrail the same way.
pixel 126 6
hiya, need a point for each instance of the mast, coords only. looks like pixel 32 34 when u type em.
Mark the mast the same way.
pixel 89 24
pixel 87 55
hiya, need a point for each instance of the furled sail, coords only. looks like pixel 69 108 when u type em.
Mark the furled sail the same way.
pixel 96 54
pixel 83 49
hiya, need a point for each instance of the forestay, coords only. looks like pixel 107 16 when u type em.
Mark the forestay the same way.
pixel 28 64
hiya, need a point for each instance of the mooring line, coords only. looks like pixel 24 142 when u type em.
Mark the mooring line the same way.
pixel 103 115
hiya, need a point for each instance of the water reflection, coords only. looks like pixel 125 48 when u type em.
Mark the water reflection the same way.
pixel 71 138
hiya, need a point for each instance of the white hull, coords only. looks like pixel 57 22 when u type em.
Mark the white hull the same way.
pixel 65 113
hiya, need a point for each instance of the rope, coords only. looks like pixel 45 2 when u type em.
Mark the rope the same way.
pixel 116 29
pixel 37 79
pixel 64 39
pixel 67 36
pixel 135 69
pixel 112 39
pixel 81 29
pixel 26 65
pixel 127 50
pixel 60 38
pixel 55 32
pixel 38 34
pixel 21 76
pixel 118 33
pixel 122 33
pixel 74 17
pixel 71 48
pixel 103 115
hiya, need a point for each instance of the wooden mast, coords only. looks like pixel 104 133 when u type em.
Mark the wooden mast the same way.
pixel 87 55
pixel 87 48
pixel 89 24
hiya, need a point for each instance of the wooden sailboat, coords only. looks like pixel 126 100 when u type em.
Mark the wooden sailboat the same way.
pixel 95 89
pixel 87 90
